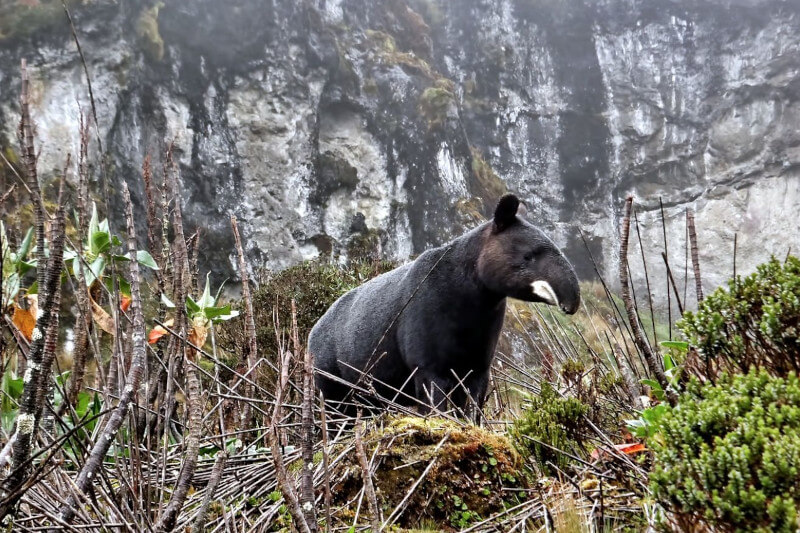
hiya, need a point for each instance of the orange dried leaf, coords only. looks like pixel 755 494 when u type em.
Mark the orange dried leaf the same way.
pixel 631 447
pixel 155 334
pixel 158 332
pixel 25 319
pixel 102 318
pixel 125 302
pixel 628 448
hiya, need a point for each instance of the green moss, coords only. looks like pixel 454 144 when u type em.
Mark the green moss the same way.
pixel 436 102
pixel 385 47
pixel 729 455
pixel 470 468
pixel 314 286
pixel 148 33
pixel 21 19
pixel 486 182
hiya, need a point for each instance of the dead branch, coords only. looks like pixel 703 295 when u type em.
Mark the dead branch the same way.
pixel 103 443
pixel 251 352
pixel 193 397
pixel 671 281
pixel 307 479
pixel 287 488
pixel 630 308
pixel 326 473
pixel 698 282
pixel 366 475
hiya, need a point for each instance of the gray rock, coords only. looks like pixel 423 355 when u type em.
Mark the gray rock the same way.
pixel 298 117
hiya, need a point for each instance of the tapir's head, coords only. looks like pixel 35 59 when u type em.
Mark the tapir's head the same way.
pixel 520 261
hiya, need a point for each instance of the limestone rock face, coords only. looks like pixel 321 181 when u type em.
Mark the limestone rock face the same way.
pixel 324 123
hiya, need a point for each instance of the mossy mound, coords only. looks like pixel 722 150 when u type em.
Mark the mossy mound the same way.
pixel 469 472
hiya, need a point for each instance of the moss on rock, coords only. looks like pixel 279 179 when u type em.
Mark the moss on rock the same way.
pixel 469 472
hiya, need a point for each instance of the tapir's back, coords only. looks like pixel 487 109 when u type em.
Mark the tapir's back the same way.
pixel 348 334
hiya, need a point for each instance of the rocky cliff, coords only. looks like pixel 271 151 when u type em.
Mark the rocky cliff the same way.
pixel 393 124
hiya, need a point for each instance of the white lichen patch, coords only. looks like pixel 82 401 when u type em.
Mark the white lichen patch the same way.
pixel 39 313
pixel 37 334
pixel 25 424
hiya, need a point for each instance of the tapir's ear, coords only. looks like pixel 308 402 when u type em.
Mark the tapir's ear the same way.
pixel 505 214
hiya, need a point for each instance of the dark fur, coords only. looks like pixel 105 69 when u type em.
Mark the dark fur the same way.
pixel 453 315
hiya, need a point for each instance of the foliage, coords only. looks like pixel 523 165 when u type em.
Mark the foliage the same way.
pixel 648 425
pixel 731 453
pixel 488 184
pixel 549 423
pixel 148 33
pixel 435 103
pixel 314 286
pixel 98 253
pixel 23 18
pixel 14 266
pixel 754 323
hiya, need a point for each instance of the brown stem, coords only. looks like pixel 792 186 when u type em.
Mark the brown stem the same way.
pixel 630 308
pixel 193 399
pixel 671 281
pixel 698 282
pixel 307 479
pixel 325 462
pixel 366 475
pixel 287 488
pixel 251 352
pixel 103 443
pixel 211 488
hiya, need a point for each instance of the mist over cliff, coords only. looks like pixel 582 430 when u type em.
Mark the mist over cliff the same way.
pixel 393 125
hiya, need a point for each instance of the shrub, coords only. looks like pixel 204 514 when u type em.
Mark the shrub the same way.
pixel 549 421
pixel 729 455
pixel 314 286
pixel 754 323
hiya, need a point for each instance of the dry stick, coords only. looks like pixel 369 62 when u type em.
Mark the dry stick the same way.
pixel 287 488
pixel 42 350
pixel 307 480
pixel 249 317
pixel 83 320
pixel 633 319
pixel 398 510
pixel 193 398
pixel 103 443
pixel 666 251
pixel 326 474
pixel 646 279
pixel 698 283
pixel 671 282
pixel 366 475
pixel 8 194
pixel 48 277
pixel 211 488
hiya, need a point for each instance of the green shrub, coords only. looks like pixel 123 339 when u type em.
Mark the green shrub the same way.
pixel 730 454
pixel 549 421
pixel 314 286
pixel 754 323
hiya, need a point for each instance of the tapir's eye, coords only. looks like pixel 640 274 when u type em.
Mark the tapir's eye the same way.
pixel 528 256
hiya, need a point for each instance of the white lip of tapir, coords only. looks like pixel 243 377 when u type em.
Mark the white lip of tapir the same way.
pixel 543 290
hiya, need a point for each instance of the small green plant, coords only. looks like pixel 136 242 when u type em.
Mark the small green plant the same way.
pixel 753 323
pixel 314 286
pixel 548 423
pixel 648 425
pixel 98 252
pixel 15 265
pixel 730 454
